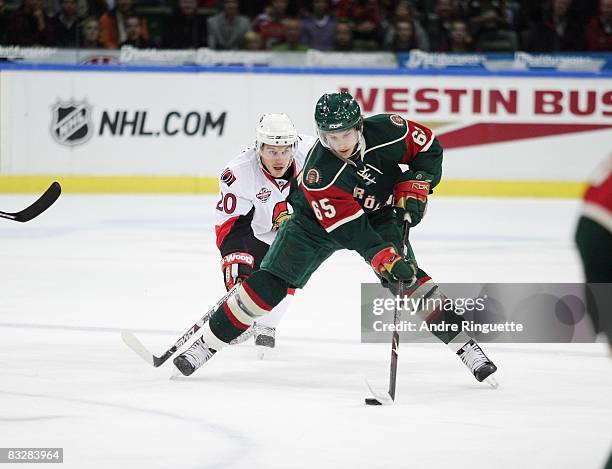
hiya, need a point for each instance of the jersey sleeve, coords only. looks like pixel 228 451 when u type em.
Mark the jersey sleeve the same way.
pixel 339 214
pixel 423 152
pixel 234 213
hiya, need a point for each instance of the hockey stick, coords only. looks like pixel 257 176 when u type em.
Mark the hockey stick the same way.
pixel 43 203
pixel 389 397
pixel 136 345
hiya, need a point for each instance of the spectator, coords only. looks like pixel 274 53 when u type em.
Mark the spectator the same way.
pixel 226 30
pixel 439 24
pixel 252 41
pixel 508 10
pixel 135 37
pixel 366 19
pixel 293 37
pixel 29 25
pixel 113 28
pixel 186 29
pixel 492 33
pixel 556 29
pixel 460 39
pixel 404 39
pixel 90 34
pixel 270 23
pixel 320 27
pixel 84 7
pixel 599 29
pixel 66 25
pixel 403 13
pixel 344 37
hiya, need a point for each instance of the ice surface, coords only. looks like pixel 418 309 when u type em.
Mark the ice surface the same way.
pixel 71 279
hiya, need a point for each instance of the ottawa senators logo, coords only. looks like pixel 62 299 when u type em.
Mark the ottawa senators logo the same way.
pixel 397 120
pixel 228 177
pixel 313 176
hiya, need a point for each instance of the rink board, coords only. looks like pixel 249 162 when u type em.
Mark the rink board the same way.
pixel 119 129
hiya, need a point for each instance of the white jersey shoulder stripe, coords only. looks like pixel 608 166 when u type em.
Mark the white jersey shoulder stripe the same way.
pixel 327 186
pixel 388 143
pixel 339 223
pixel 428 144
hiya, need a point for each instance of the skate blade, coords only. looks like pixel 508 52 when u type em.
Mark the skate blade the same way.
pixel 492 381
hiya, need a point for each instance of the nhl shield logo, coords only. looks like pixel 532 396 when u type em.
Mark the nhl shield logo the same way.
pixel 71 124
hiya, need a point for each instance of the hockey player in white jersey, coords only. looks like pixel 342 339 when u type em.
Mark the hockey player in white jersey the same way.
pixel 252 207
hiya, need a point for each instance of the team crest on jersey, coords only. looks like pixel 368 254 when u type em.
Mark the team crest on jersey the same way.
pixel 228 177
pixel 313 176
pixel 397 120
pixel 263 194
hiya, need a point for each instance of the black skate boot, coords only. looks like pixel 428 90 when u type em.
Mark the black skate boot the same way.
pixel 264 336
pixel 194 357
pixel 479 364
pixel 264 339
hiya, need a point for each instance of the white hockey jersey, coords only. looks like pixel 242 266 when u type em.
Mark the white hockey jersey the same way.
pixel 249 192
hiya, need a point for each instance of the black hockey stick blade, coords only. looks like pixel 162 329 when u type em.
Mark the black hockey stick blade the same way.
pixel 43 203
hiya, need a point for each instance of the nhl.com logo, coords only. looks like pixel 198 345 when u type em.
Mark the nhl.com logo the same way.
pixel 71 123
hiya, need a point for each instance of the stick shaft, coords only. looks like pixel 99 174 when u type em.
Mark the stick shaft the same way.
pixel 395 337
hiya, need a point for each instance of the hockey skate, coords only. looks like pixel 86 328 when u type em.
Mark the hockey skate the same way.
pixel 194 357
pixel 264 338
pixel 478 363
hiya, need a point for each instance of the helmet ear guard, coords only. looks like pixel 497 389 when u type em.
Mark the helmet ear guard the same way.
pixel 276 129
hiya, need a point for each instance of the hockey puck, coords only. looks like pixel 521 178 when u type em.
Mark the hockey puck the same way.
pixel 372 401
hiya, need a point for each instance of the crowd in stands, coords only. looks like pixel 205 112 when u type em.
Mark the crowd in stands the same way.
pixel 299 25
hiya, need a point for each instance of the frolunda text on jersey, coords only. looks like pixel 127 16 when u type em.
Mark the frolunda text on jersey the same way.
pixel 369 202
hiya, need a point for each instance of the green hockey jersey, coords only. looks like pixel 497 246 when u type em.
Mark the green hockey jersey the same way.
pixel 342 197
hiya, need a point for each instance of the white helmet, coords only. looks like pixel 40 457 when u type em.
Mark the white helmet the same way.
pixel 276 129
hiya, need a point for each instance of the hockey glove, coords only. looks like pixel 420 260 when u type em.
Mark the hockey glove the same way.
pixel 389 265
pixel 236 267
pixel 410 197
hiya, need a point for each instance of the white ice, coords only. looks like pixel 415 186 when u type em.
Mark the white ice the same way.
pixel 94 265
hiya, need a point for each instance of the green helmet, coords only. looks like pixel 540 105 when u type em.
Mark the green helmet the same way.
pixel 337 111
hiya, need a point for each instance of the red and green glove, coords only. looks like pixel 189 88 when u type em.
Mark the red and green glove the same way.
pixel 410 196
pixel 387 263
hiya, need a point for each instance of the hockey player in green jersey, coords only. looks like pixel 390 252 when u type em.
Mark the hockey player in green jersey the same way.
pixel 351 194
